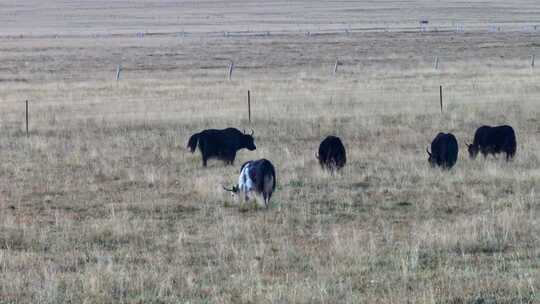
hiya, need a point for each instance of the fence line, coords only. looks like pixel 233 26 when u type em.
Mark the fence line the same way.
pixel 308 32
pixel 529 62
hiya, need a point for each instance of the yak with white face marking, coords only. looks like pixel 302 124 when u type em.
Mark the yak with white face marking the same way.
pixel 257 177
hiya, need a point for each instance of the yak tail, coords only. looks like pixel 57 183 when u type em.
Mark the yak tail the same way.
pixel 192 143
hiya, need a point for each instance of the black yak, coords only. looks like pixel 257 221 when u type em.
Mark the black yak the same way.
pixel 332 155
pixel 221 144
pixel 493 140
pixel 444 151
pixel 258 177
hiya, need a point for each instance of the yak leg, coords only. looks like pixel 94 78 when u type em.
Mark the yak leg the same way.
pixel 228 158
pixel 263 196
pixel 262 200
pixel 268 188
pixel 231 159
pixel 266 199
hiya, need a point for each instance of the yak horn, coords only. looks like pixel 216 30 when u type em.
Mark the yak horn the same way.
pixel 252 132
pixel 231 190
pixel 428 151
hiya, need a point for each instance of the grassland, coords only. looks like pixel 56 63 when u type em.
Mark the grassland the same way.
pixel 103 203
pixel 83 18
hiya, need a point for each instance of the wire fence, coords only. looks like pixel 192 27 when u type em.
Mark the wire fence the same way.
pixel 309 32
pixel 79 106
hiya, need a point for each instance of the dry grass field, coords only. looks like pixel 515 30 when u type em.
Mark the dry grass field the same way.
pixel 103 203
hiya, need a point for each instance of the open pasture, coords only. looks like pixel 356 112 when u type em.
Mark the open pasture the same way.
pixel 103 203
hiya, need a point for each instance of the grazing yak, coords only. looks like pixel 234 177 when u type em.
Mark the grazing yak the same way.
pixel 332 155
pixel 493 140
pixel 221 144
pixel 257 177
pixel 444 151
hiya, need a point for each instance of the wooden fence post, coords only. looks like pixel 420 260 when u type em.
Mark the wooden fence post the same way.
pixel 118 69
pixel 231 66
pixel 249 107
pixel 436 63
pixel 27 134
pixel 532 61
pixel 440 95
pixel 335 66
